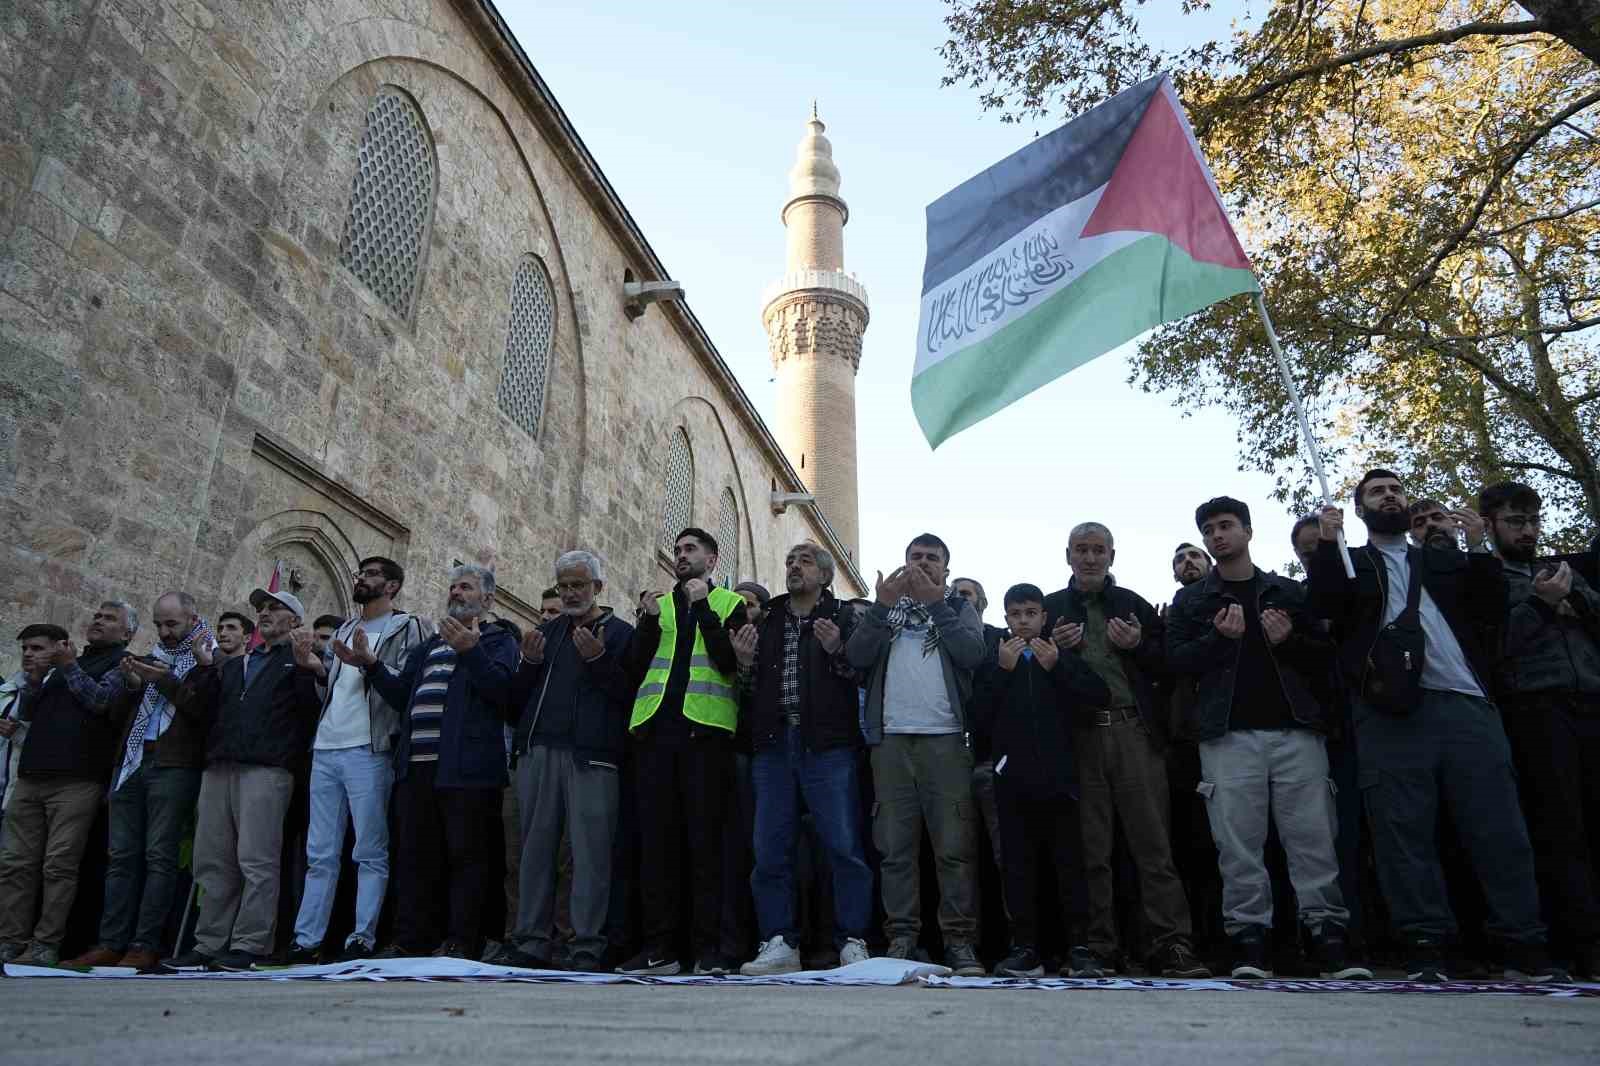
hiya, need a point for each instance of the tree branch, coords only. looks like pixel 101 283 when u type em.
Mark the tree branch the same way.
pixel 1401 44
pixel 1556 471
pixel 1506 166
pixel 1537 219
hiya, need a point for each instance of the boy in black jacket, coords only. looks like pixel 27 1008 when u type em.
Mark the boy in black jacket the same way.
pixel 1027 693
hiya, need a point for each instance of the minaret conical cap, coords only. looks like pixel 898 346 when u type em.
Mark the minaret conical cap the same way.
pixel 814 173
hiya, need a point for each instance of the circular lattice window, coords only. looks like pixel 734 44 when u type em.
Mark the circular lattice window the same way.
pixel 528 338
pixel 391 198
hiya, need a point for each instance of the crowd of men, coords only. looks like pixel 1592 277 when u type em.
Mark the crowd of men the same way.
pixel 704 784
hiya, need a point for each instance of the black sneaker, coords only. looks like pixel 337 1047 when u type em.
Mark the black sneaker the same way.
pixel 651 963
pixel 1085 964
pixel 511 955
pixel 1329 949
pixel 1425 962
pixel 963 961
pixel 358 948
pixel 584 962
pixel 714 964
pixel 240 961
pixel 302 956
pixel 188 962
pixel 395 951
pixel 1177 959
pixel 1531 963
pixel 1022 962
pixel 1250 954
pixel 455 948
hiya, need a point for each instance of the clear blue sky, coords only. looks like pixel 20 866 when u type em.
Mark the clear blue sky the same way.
pixel 694 110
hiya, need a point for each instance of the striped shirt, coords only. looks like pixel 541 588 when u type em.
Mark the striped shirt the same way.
pixel 427 704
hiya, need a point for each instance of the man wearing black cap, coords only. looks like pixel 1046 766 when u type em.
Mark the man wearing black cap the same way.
pixel 261 708
pixel 352 768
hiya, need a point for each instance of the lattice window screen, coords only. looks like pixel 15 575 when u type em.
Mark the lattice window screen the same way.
pixel 391 199
pixel 528 337
pixel 679 503
pixel 728 540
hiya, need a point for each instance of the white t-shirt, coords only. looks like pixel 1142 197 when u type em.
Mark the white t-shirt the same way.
pixel 348 723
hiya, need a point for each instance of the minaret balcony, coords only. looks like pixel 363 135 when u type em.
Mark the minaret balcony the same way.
pixel 831 281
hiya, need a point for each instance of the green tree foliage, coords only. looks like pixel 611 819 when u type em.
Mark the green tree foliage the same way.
pixel 1416 181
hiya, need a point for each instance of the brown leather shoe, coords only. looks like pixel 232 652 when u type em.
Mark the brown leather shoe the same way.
pixel 96 956
pixel 142 960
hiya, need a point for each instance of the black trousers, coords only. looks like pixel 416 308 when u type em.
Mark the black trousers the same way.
pixel 441 855
pixel 682 794
pixel 1033 832
pixel 1556 741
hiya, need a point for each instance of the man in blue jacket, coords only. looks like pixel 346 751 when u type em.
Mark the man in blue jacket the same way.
pixel 569 705
pixel 450 764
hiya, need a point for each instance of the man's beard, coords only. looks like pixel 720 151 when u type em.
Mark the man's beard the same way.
pixel 1390 523
pixel 1189 576
pixel 462 612
pixel 1438 538
pixel 690 571
pixel 363 593
pixel 1519 553
pixel 578 611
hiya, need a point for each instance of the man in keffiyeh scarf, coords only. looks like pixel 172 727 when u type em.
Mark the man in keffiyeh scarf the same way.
pixel 152 795
pixel 918 645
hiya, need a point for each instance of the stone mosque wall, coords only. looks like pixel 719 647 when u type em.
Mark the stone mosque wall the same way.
pixel 303 280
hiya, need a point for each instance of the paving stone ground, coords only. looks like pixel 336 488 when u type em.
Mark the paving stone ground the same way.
pixel 59 1022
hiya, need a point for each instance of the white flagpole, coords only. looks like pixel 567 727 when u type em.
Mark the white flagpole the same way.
pixel 1305 423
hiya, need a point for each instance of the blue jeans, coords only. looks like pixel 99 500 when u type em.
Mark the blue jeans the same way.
pixel 784 775
pixel 147 818
pixel 346 783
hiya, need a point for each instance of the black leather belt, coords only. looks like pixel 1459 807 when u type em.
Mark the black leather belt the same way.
pixel 1115 715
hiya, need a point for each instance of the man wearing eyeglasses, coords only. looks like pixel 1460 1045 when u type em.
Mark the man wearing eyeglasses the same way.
pixel 1548 684
pixel 351 765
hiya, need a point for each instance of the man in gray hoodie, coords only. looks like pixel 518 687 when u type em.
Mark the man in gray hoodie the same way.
pixel 918 645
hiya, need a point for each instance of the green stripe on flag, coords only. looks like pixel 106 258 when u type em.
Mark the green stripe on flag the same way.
pixel 1149 282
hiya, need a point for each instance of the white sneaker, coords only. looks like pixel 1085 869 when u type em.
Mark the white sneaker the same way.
pixel 775 957
pixel 854 950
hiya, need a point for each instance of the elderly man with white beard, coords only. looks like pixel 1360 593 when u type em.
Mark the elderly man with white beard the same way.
pixel 569 704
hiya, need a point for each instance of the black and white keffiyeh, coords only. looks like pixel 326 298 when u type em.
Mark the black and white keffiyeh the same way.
pixel 154 708
pixel 909 612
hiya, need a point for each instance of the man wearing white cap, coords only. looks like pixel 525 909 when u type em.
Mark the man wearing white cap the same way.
pixel 262 708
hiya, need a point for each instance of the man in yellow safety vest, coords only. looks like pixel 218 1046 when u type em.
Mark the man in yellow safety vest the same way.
pixel 683 721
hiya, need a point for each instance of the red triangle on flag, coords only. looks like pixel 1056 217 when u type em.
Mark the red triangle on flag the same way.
pixel 1160 186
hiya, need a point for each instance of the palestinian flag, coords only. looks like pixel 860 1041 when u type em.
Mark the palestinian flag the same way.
pixel 1083 240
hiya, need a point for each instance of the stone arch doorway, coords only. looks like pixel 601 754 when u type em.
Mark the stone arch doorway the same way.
pixel 317 556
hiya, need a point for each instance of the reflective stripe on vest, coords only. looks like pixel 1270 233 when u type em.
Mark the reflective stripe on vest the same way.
pixel 710 698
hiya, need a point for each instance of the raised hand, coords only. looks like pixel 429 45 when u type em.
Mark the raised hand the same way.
pixel 1230 621
pixel 1471 523
pixel 66 654
pixel 922 588
pixel 650 603
pixel 205 652
pixel 1330 523
pixel 1276 625
pixel 1067 635
pixel 1125 634
pixel 303 642
pixel 588 646
pixel 696 589
pixel 744 641
pixel 358 655
pixel 1553 586
pixel 460 637
pixel 1010 652
pixel 144 673
pixel 1046 652
pixel 828 635
pixel 891 588
pixel 533 645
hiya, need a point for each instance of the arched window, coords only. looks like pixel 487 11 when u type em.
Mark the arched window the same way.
pixel 528 337
pixel 728 540
pixel 391 201
pixel 678 505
